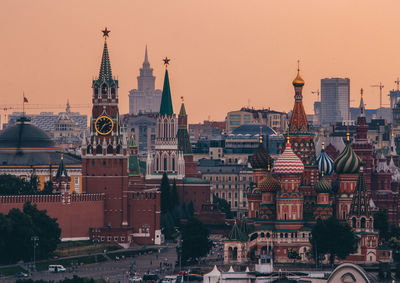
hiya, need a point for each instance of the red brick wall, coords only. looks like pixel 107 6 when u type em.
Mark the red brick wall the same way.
pixel 144 211
pixel 75 213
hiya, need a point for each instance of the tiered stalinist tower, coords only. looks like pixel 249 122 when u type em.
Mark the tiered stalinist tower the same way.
pixel 146 98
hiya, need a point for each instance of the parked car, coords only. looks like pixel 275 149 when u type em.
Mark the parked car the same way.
pixel 21 274
pixel 56 268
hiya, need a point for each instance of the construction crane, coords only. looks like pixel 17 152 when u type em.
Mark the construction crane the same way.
pixel 381 86
pixel 316 92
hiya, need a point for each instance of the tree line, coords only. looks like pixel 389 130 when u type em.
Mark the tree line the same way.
pixel 13 185
pixel 17 229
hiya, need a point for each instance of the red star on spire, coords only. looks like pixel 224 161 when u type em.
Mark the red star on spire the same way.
pixel 166 61
pixel 105 32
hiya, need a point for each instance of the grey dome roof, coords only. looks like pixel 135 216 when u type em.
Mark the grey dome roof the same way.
pixel 253 129
pixel 25 135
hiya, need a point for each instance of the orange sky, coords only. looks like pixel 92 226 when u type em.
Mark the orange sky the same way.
pixel 224 52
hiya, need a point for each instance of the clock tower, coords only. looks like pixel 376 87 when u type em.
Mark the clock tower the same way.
pixel 104 151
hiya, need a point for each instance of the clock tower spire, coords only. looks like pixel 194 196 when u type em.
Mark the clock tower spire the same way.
pixel 105 150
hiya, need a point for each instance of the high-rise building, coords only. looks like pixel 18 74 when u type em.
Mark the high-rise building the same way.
pixel 146 98
pixel 335 100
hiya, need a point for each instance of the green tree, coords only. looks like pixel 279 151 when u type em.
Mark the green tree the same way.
pixel 45 227
pixel 333 238
pixel 17 229
pixel 168 225
pixel 195 241
pixel 190 209
pixel 165 194
pixel 223 206
pixel 381 223
pixel 12 185
pixel 174 196
pixel 293 254
pixel 48 188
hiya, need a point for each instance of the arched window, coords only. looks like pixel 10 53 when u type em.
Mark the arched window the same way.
pixel 165 128
pixel 362 223
pixel 268 235
pixel 109 149
pixel 165 163
pixel 157 163
pixel 262 235
pixel 173 164
pixel 104 89
pixel 353 222
pixel 99 149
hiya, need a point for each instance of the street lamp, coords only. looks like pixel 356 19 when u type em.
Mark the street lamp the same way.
pixel 35 241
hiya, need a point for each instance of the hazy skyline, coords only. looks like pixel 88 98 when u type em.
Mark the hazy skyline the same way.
pixel 223 53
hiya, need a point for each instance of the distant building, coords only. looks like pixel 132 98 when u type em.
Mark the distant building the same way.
pixel 143 128
pixel 206 129
pixel 335 100
pixel 229 182
pixel 277 121
pixel 65 128
pixel 146 98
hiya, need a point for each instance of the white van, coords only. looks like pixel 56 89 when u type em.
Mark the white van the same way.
pixel 56 268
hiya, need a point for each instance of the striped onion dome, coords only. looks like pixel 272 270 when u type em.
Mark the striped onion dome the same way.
pixel 323 186
pixel 260 159
pixel 348 161
pixel 288 162
pixel 269 184
pixel 325 163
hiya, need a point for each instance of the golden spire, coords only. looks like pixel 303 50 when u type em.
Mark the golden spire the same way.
pixel 261 138
pixel 322 173
pixel 323 145
pixel 182 99
pixel 62 156
pixel 362 92
pixel 268 167
pixel 392 134
pixel 347 135
pixel 298 81
pixel 288 140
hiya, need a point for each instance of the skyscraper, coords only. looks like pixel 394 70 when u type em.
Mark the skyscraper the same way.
pixel 335 100
pixel 146 98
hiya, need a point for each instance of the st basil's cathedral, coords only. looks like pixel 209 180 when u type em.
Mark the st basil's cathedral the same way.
pixel 299 187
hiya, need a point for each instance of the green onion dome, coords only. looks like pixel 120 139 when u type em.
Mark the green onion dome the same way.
pixel 348 161
pixel 269 184
pixel 323 186
pixel 260 159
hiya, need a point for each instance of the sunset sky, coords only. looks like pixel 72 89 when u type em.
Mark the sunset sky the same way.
pixel 224 53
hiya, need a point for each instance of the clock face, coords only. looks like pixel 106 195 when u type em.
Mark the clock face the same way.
pixel 104 125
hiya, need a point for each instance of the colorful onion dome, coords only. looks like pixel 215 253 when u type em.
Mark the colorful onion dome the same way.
pixel 269 184
pixel 288 162
pixel 348 161
pixel 325 163
pixel 323 185
pixel 260 159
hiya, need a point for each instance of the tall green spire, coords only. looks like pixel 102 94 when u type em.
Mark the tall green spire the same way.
pixel 105 67
pixel 105 73
pixel 166 101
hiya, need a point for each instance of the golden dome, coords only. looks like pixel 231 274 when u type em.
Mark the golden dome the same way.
pixel 298 81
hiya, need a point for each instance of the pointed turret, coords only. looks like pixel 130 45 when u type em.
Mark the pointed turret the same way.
pixel 183 135
pixel 298 121
pixel 61 171
pixel 360 204
pixel 105 67
pixel 302 139
pixel 166 101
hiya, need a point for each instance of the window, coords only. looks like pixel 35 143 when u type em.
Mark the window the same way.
pixel 102 238
pixel 229 195
pixel 108 238
pixel 116 239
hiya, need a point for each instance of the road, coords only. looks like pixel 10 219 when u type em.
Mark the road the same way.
pixel 114 271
